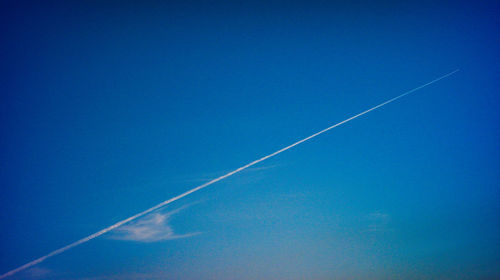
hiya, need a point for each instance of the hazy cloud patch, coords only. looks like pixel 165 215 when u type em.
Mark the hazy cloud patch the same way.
pixel 38 273
pixel 378 222
pixel 151 228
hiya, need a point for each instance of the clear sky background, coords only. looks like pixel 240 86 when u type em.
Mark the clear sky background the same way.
pixel 109 108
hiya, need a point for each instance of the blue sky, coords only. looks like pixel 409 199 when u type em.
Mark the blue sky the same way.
pixel 109 109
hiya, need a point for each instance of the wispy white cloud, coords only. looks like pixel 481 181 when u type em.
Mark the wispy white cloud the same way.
pixel 151 228
pixel 209 175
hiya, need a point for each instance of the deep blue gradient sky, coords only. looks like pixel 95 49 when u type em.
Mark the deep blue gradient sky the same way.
pixel 109 109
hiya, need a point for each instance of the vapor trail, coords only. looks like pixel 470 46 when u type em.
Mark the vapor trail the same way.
pixel 110 228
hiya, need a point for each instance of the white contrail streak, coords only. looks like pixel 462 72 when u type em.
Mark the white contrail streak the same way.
pixel 110 228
